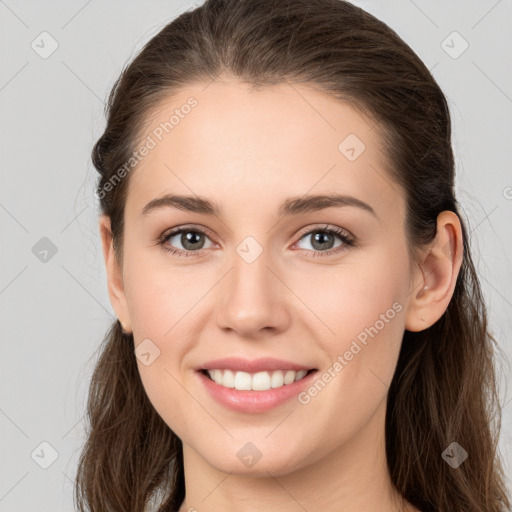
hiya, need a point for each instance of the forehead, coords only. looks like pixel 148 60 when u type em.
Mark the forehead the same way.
pixel 241 146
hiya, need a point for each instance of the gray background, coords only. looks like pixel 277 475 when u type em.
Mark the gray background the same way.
pixel 54 312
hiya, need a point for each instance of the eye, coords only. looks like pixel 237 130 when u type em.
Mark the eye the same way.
pixel 323 244
pixel 191 239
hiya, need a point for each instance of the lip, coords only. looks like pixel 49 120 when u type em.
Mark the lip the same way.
pixel 239 364
pixel 249 401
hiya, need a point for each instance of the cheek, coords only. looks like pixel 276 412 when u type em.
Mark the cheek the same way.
pixel 158 296
pixel 363 356
pixel 161 307
pixel 169 399
pixel 345 301
pixel 364 312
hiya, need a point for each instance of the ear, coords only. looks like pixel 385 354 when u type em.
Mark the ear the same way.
pixel 114 274
pixel 434 280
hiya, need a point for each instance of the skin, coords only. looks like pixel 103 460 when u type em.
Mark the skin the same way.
pixel 248 151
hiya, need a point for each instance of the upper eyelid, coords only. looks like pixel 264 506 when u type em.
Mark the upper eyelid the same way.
pixel 327 227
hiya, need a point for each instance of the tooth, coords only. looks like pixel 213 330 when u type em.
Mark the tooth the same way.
pixel 261 381
pixel 300 374
pixel 277 380
pixel 289 377
pixel 243 381
pixel 217 376
pixel 228 379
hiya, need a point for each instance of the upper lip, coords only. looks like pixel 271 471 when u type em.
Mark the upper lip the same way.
pixel 252 366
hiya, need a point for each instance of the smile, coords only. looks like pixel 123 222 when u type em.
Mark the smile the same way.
pixel 260 381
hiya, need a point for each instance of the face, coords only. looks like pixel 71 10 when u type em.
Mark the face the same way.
pixel 253 282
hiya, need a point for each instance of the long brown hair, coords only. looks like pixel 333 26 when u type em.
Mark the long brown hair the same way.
pixel 445 387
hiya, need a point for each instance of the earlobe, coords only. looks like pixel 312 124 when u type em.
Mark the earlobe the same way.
pixel 435 280
pixel 114 275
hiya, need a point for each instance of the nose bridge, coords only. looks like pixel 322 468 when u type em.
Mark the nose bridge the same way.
pixel 252 296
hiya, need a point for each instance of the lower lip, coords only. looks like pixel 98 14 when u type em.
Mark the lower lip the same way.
pixel 250 401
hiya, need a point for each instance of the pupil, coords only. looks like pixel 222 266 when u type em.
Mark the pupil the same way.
pixel 188 239
pixel 321 236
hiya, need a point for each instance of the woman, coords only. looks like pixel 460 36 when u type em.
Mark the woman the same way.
pixel 325 345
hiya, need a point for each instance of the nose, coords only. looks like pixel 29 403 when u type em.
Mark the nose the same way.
pixel 253 299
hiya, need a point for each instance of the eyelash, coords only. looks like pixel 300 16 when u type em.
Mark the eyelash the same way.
pixel 348 241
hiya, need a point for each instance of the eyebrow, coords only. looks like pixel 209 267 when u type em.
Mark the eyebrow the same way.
pixel 291 206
